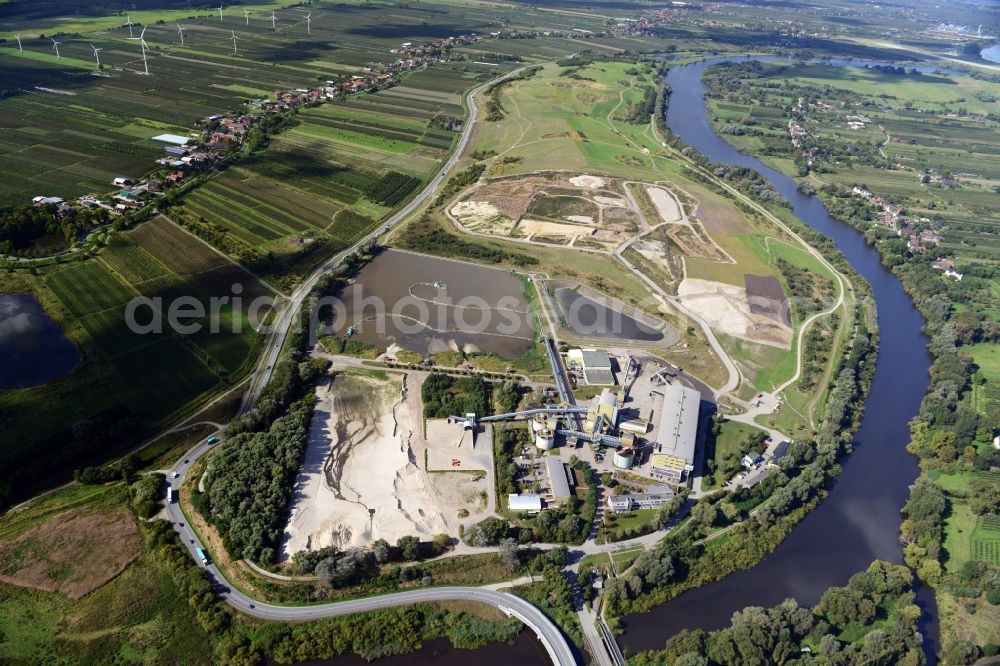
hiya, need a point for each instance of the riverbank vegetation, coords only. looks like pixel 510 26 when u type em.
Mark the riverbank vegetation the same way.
pixel 871 620
pixel 901 162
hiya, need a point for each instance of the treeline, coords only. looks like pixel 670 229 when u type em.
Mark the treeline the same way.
pixel 444 396
pixel 872 620
pixel 564 524
pixel 639 112
pixel 372 635
pixel 249 480
pixel 336 568
pixel 426 236
pixel 391 188
pixel 21 226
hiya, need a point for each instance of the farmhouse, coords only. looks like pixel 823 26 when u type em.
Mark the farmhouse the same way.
pixel 676 434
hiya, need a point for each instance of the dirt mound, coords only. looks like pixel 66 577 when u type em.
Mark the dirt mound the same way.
pixel 74 552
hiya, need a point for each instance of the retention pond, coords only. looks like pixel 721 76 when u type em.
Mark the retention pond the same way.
pixel 33 349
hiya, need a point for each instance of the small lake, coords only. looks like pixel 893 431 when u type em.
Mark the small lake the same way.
pixel 991 54
pixel 33 348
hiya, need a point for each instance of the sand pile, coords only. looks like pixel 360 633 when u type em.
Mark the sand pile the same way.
pixel 360 480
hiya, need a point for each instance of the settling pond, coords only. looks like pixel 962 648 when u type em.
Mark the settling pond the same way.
pixel 585 316
pixel 859 521
pixel 428 305
pixel 33 349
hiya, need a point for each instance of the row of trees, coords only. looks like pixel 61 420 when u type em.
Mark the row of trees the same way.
pixel 249 481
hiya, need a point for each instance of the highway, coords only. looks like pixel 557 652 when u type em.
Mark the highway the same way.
pixel 548 633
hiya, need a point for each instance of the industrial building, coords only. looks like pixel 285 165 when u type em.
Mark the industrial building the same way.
pixel 676 434
pixel 594 365
pixel 543 427
pixel 603 409
pixel 560 479
pixel 626 503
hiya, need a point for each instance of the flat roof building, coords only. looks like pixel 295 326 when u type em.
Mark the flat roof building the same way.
pixel 529 503
pixel 595 364
pixel 560 478
pixel 172 138
pixel 677 433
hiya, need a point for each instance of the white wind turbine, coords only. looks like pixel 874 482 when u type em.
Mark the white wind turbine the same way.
pixel 55 45
pixel 128 19
pixel 273 19
pixel 308 24
pixel 97 55
pixel 234 42
pixel 142 44
pixel 246 13
pixel 220 12
pixel 18 38
pixel 180 31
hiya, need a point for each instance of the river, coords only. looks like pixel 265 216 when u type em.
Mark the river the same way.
pixel 859 521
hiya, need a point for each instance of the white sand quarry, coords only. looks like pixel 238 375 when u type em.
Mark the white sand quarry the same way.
pixel 482 216
pixel 360 480
pixel 666 204
pixel 725 308
pixel 588 182
pixel 532 227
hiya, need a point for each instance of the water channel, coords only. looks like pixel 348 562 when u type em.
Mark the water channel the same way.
pixel 859 521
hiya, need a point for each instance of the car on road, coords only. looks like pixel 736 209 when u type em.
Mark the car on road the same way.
pixel 212 440
pixel 175 475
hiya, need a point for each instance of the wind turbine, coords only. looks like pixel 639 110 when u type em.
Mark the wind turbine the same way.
pixel 273 19
pixel 220 12
pixel 97 55
pixel 18 38
pixel 180 31
pixel 308 24
pixel 234 42
pixel 128 19
pixel 246 12
pixel 55 45
pixel 142 43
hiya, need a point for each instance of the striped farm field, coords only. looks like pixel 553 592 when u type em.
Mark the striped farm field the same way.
pixel 176 249
pixel 218 209
pixel 363 139
pixel 348 226
pixel 131 262
pixel 163 377
pixel 87 287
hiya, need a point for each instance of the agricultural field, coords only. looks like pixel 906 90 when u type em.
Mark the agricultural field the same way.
pixel 130 382
pixel 926 141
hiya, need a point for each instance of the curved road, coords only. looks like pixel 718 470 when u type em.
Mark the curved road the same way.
pixel 548 633
pixel 283 321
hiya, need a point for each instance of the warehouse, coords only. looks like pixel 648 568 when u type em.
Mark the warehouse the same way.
pixel 676 434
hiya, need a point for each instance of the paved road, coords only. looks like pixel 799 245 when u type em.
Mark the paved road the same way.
pixel 284 319
pixel 548 633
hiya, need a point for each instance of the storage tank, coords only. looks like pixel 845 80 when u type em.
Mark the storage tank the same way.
pixel 545 439
pixel 624 458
